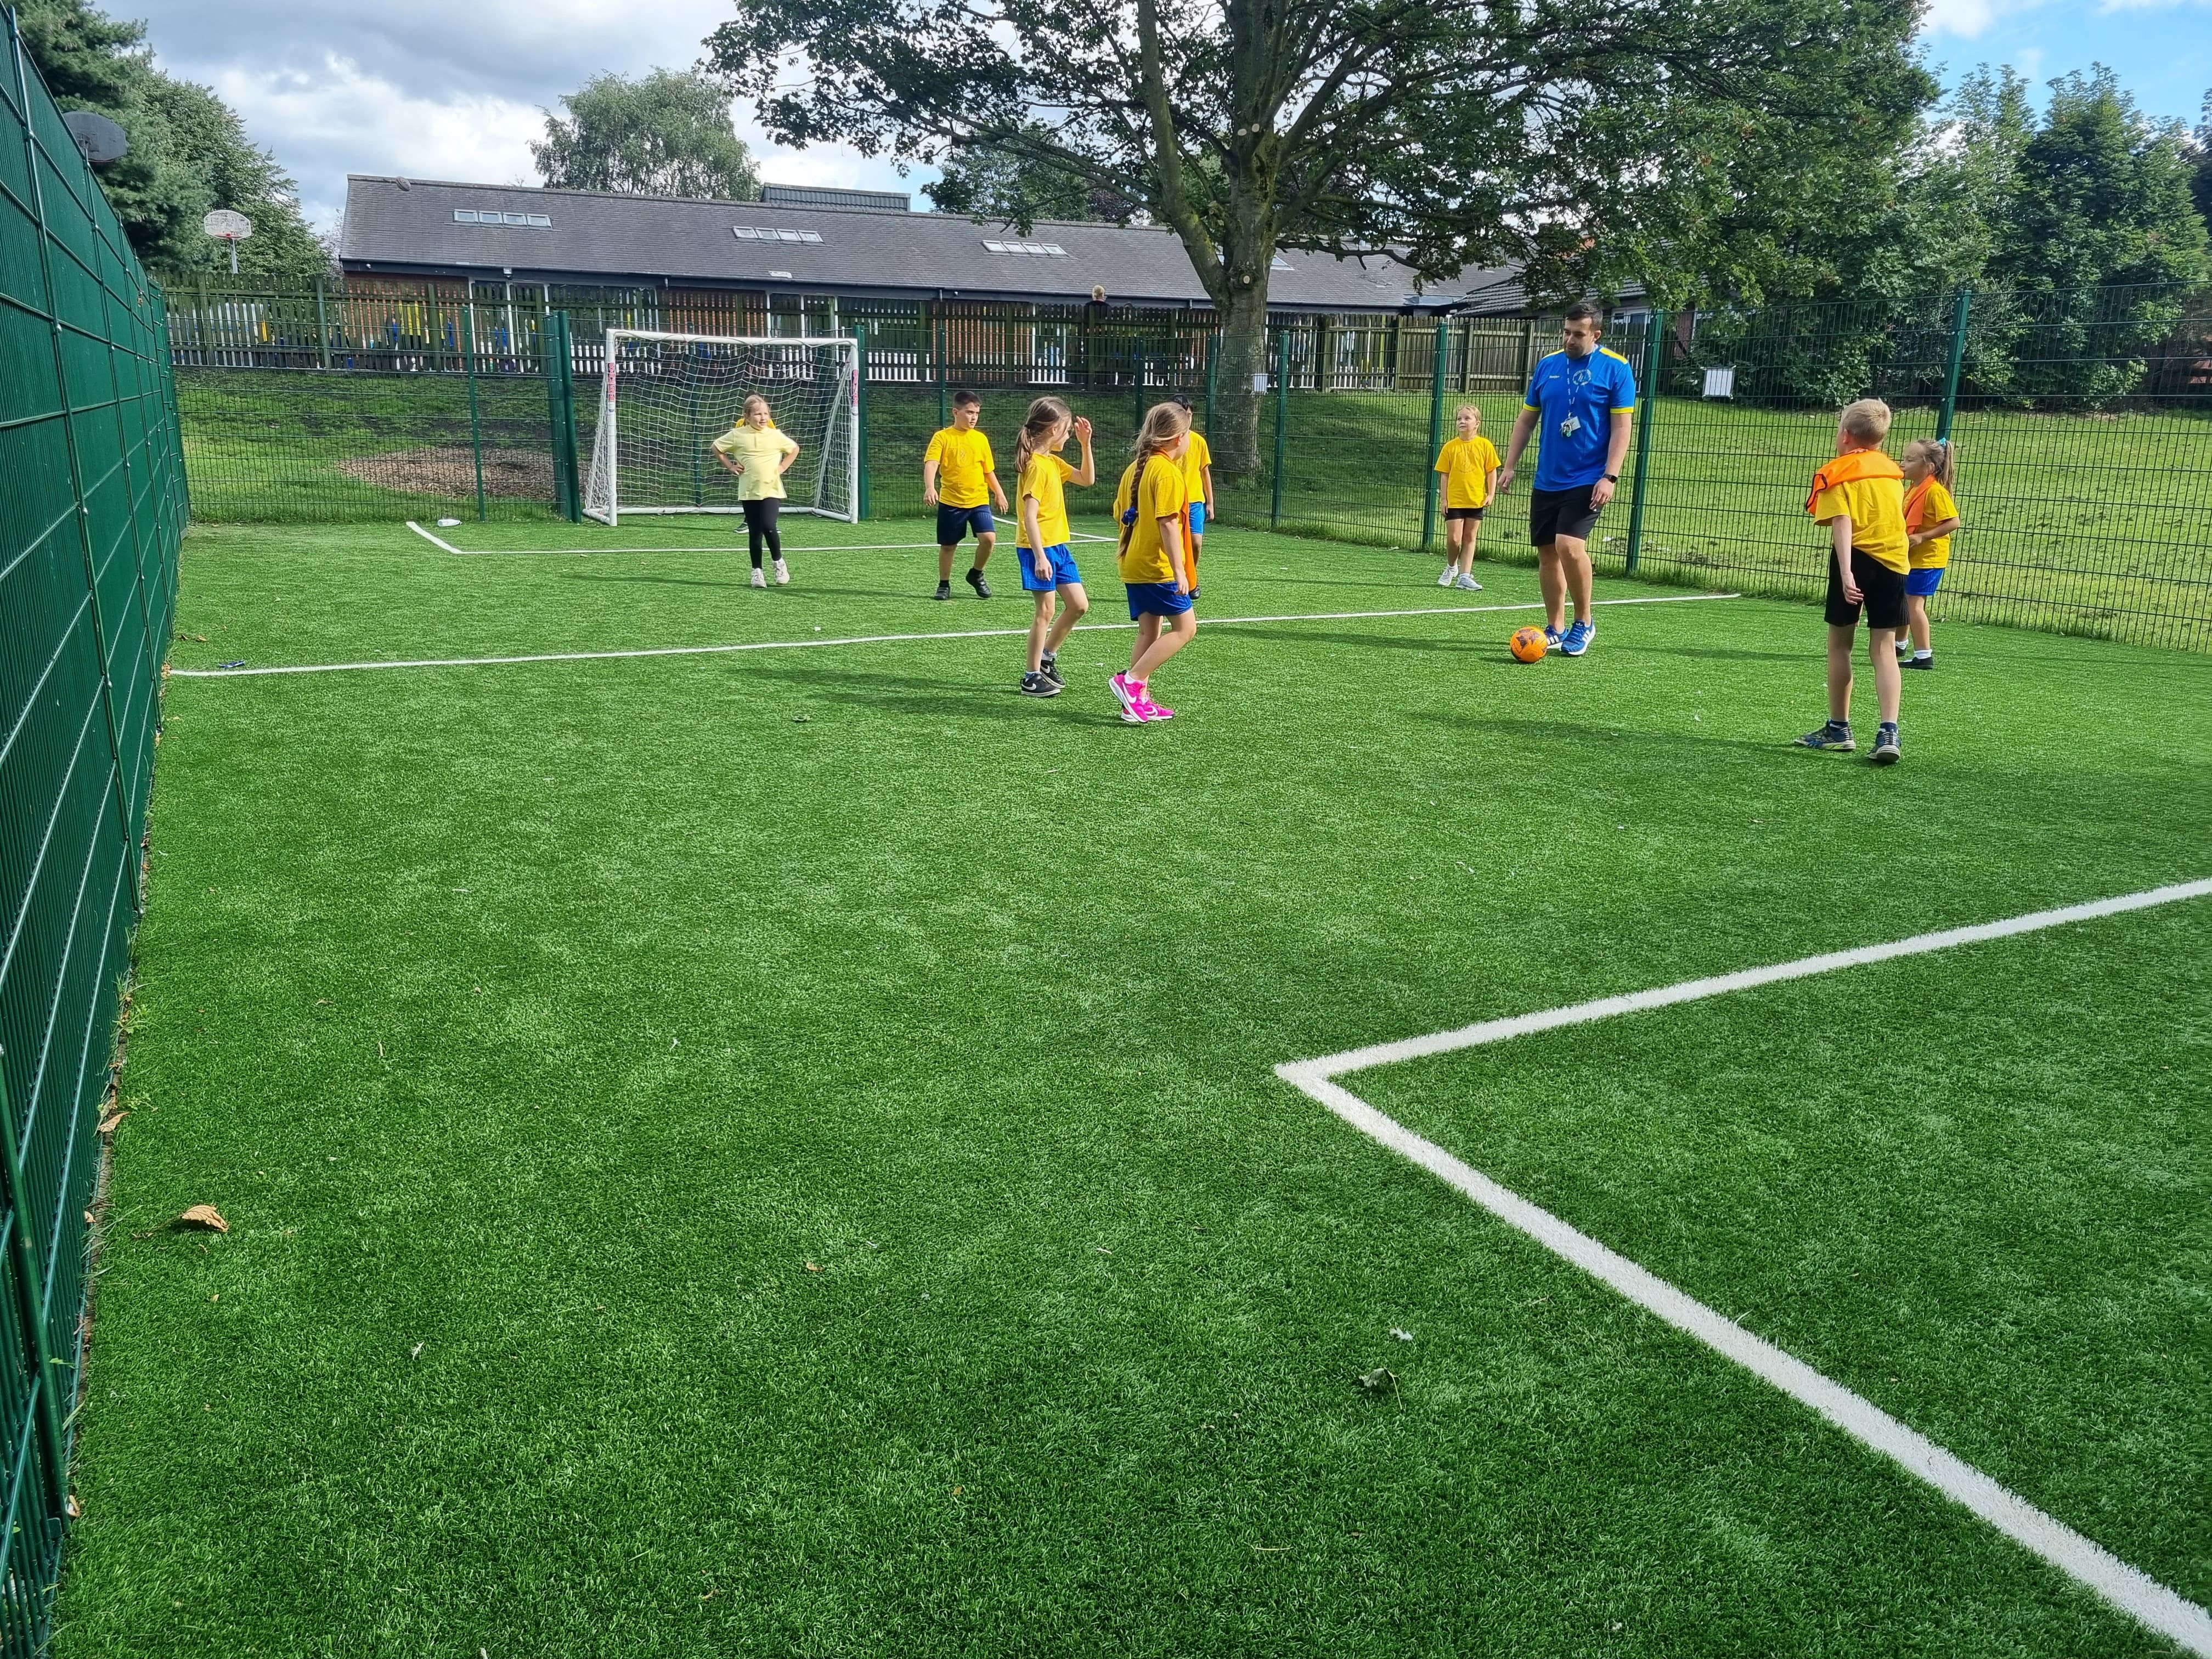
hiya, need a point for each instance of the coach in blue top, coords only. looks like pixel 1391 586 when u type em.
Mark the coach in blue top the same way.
pixel 1581 397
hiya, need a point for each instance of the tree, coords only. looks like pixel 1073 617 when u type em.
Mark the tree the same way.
pixel 2101 242
pixel 988 183
pixel 188 149
pixel 668 134
pixel 1580 138
pixel 2200 186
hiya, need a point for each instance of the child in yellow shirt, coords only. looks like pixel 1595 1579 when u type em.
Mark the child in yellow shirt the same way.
pixel 1860 496
pixel 1047 563
pixel 1198 484
pixel 1470 463
pixel 1931 517
pixel 1153 507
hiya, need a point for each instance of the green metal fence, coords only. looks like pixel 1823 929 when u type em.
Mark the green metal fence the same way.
pixel 90 520
pixel 2083 421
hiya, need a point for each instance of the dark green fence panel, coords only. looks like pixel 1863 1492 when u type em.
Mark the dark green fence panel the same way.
pixel 90 520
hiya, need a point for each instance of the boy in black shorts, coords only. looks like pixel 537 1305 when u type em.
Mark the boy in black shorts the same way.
pixel 1860 496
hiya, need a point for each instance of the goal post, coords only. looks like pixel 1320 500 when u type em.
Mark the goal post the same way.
pixel 664 397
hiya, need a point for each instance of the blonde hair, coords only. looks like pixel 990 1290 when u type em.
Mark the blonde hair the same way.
pixel 1867 419
pixel 756 399
pixel 1045 414
pixel 1941 457
pixel 1164 424
pixel 1474 410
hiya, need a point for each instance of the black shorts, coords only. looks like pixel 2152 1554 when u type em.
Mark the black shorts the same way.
pixel 955 522
pixel 1882 590
pixel 1556 512
pixel 1451 513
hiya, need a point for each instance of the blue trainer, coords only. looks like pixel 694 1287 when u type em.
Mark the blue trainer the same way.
pixel 1551 637
pixel 1577 638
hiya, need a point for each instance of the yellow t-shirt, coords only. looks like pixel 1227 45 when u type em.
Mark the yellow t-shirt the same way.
pixel 1042 477
pixel 1930 503
pixel 1867 485
pixel 1160 493
pixel 1466 464
pixel 964 462
pixel 761 454
pixel 1196 460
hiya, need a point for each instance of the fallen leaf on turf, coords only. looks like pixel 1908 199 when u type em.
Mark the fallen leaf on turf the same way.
pixel 108 1124
pixel 801 720
pixel 205 1215
pixel 414 1352
pixel 812 1268
pixel 1380 1381
pixel 1403 1336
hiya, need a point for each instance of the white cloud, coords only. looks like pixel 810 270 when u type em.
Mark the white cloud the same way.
pixel 334 86
pixel 1964 18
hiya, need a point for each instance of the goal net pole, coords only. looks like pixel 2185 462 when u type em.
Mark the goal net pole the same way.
pixel 664 396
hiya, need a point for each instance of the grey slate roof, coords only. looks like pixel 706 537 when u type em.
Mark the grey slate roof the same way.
pixel 596 237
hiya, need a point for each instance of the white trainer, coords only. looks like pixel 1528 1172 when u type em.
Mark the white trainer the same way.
pixel 1445 580
pixel 759 579
pixel 1467 581
pixel 782 574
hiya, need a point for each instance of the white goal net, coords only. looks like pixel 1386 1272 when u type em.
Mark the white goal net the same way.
pixel 665 398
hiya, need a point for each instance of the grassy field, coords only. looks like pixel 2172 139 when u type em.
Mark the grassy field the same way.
pixel 777 1152
pixel 2100 525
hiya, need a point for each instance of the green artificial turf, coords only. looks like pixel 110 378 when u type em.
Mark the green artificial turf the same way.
pixel 778 1153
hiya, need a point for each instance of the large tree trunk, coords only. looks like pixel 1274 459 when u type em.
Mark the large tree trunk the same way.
pixel 1234 437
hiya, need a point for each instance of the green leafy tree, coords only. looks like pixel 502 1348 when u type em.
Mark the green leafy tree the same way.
pixel 2200 186
pixel 1596 142
pixel 668 133
pixel 188 149
pixel 2101 242
pixel 988 183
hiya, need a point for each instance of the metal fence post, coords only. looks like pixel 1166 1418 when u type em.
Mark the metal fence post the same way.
pixel 476 420
pixel 940 340
pixel 860 417
pixel 1212 374
pixel 322 325
pixel 1957 361
pixel 1282 421
pixel 1655 349
pixel 1439 369
pixel 559 413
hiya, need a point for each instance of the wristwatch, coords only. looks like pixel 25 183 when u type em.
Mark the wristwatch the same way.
pixel 1612 477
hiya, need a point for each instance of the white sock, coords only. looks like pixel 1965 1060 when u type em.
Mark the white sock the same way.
pixel 1921 656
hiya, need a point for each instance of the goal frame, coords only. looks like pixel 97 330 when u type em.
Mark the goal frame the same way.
pixel 605 438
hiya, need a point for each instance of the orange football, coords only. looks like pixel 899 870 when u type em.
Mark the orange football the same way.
pixel 1528 644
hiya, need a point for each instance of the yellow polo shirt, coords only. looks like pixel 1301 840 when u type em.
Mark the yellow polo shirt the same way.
pixel 1043 477
pixel 761 454
pixel 1930 504
pixel 964 466
pixel 1466 464
pixel 1160 493
pixel 1867 485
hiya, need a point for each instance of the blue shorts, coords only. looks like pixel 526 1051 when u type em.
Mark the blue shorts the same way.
pixel 1064 572
pixel 1923 582
pixel 1156 599
pixel 1198 518
pixel 954 522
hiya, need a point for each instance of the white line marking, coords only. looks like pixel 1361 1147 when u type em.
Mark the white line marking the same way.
pixel 434 540
pixel 2127 1588
pixel 731 546
pixel 872 639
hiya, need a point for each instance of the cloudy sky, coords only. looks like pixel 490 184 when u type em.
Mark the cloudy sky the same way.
pixel 438 89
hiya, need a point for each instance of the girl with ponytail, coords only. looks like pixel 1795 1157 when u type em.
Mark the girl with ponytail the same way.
pixel 1048 566
pixel 1153 507
pixel 1930 518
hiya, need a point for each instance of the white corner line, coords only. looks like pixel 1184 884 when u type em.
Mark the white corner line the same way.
pixel 864 639
pixel 435 541
pixel 2082 1559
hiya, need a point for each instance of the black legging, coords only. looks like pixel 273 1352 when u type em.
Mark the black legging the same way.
pixel 761 531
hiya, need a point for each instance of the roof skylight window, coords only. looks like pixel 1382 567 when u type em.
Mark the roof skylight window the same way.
pixel 1027 250
pixel 495 216
pixel 772 233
